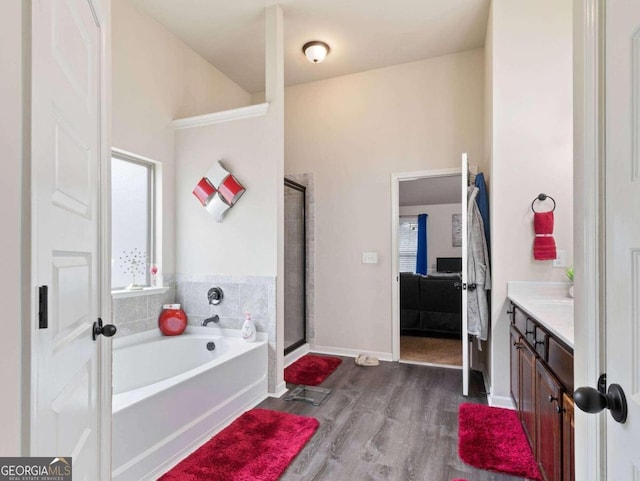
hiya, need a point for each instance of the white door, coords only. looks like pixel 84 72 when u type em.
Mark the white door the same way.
pixel 622 160
pixel 465 330
pixel 68 137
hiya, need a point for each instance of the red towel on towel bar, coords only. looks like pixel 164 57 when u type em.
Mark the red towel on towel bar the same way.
pixel 544 245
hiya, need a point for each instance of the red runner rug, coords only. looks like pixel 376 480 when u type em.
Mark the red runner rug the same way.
pixel 258 446
pixel 311 370
pixel 493 439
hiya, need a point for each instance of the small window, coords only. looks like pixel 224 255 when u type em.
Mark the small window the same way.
pixel 408 243
pixel 132 221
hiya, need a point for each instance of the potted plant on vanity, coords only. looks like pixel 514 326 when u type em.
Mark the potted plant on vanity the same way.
pixel 569 274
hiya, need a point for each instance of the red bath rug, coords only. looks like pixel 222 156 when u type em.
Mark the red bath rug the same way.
pixel 493 439
pixel 258 446
pixel 311 370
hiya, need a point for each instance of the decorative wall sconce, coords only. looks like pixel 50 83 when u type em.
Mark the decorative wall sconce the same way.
pixel 218 191
pixel 315 51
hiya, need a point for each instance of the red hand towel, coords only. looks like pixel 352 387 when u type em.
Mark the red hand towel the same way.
pixel 544 245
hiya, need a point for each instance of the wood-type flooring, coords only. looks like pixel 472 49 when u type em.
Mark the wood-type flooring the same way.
pixel 392 422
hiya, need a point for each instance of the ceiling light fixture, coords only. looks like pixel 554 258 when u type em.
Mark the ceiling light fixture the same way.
pixel 315 51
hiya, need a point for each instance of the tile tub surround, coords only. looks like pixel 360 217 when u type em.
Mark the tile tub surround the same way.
pixel 548 303
pixel 132 315
pixel 254 294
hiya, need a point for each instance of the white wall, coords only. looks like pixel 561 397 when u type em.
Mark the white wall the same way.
pixel 488 100
pixel 156 79
pixel 352 132
pixel 531 149
pixel 10 219
pixel 439 232
pixel 245 242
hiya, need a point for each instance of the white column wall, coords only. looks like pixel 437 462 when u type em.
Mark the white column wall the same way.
pixel 531 151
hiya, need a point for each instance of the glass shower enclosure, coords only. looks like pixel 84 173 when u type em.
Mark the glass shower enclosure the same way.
pixel 295 266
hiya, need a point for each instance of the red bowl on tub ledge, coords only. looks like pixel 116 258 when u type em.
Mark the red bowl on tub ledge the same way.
pixel 172 320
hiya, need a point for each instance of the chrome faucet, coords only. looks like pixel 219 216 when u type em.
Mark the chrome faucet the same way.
pixel 215 319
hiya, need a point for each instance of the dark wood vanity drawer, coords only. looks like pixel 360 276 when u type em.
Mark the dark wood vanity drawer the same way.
pixel 541 342
pixel 530 332
pixel 520 320
pixel 560 361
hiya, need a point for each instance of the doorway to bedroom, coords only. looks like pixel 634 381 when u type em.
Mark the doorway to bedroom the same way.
pixel 429 252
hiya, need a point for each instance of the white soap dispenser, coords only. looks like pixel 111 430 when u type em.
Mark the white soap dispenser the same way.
pixel 248 329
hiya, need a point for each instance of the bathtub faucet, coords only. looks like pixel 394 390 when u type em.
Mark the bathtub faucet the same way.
pixel 215 319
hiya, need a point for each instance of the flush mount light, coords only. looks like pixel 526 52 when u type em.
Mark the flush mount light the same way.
pixel 315 51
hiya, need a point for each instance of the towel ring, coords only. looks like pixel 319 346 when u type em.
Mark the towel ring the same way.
pixel 542 197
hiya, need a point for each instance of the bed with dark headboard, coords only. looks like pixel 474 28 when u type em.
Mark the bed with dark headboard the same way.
pixel 432 305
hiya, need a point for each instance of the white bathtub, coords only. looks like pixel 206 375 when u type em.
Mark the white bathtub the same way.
pixel 170 394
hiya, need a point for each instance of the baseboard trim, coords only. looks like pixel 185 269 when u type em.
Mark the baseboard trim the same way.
pixel 340 351
pixel 280 390
pixel 297 354
pixel 500 402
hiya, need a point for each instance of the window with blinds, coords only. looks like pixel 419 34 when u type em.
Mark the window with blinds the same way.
pixel 408 243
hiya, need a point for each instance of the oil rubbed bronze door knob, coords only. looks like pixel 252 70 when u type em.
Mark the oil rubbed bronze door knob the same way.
pixel 107 330
pixel 591 400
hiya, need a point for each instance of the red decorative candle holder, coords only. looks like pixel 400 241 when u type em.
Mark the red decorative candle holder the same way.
pixel 172 320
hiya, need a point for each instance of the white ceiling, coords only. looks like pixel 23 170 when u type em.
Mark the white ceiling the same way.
pixel 431 191
pixel 362 34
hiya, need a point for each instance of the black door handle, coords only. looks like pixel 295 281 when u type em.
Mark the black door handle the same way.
pixel 591 400
pixel 107 330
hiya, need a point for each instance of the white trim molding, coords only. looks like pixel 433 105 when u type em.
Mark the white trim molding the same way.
pixel 341 351
pixel 501 402
pixel 295 355
pixel 125 154
pixel 589 333
pixel 223 116
pixel 145 291
pixel 281 389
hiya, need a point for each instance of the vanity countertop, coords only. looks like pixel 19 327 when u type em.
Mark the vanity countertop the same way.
pixel 548 303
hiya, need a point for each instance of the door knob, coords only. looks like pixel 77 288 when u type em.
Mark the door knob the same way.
pixel 591 400
pixel 107 330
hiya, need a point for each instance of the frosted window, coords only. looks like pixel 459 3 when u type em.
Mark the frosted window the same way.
pixel 131 222
pixel 408 243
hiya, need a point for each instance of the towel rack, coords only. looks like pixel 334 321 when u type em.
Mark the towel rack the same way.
pixel 542 197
